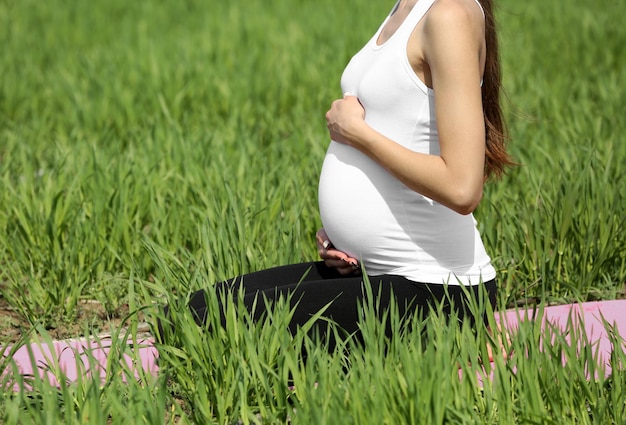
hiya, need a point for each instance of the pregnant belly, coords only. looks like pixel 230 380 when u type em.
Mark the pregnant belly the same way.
pixel 355 195
pixel 391 229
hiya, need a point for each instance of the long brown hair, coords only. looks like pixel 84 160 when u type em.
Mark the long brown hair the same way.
pixel 496 157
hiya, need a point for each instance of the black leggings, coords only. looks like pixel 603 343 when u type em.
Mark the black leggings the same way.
pixel 313 285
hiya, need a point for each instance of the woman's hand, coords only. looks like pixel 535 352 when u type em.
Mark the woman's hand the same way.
pixel 345 119
pixel 334 258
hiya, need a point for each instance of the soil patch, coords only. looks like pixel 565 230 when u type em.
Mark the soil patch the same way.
pixel 92 319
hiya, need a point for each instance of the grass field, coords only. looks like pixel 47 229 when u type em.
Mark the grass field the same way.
pixel 150 148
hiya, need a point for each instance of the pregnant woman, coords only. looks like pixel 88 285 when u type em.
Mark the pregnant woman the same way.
pixel 416 134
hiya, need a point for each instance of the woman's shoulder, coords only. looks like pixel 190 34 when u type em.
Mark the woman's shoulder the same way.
pixel 455 18
pixel 455 12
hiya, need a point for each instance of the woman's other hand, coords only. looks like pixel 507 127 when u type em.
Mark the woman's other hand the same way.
pixel 334 258
pixel 345 118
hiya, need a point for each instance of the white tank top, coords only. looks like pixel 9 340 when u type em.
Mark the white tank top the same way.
pixel 370 214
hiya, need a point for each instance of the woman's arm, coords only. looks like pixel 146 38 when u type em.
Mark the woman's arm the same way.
pixel 449 42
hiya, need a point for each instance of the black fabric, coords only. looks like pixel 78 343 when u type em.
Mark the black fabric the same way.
pixel 313 285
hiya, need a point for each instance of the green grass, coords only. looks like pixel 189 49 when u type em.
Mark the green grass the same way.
pixel 148 149
pixel 562 225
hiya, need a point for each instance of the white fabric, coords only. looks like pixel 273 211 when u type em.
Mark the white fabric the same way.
pixel 370 214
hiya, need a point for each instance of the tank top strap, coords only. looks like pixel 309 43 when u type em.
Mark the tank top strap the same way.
pixel 415 15
pixel 393 10
pixel 481 8
pixel 418 12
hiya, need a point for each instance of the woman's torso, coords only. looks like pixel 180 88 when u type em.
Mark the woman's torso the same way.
pixel 370 214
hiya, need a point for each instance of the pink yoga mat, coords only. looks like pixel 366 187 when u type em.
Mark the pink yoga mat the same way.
pixel 595 316
pixel 84 358
pixel 89 358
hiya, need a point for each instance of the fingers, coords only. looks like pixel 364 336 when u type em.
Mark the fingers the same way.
pixel 344 118
pixel 337 106
pixel 334 258
pixel 343 267
pixel 325 247
pixel 336 262
pixel 340 261
pixel 333 254
pixel 322 239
